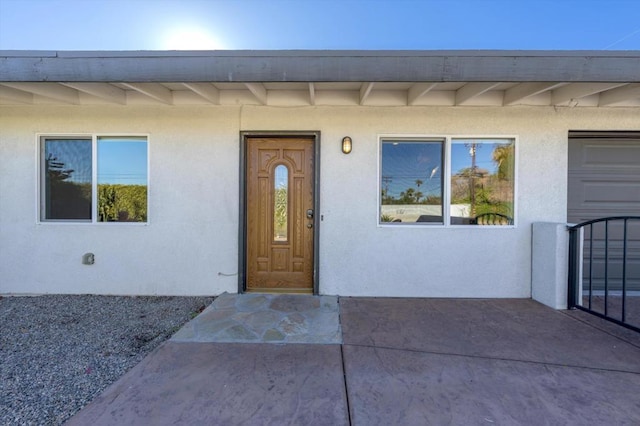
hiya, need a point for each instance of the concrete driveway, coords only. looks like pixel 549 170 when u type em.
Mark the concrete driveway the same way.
pixel 396 362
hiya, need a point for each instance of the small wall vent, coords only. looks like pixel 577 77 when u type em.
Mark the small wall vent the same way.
pixel 88 259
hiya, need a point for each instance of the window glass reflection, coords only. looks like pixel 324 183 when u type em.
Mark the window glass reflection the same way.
pixel 411 181
pixel 482 181
pixel 67 179
pixel 122 179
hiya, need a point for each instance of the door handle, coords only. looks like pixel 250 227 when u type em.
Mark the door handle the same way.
pixel 310 214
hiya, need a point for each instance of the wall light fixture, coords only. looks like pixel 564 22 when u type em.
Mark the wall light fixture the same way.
pixel 346 145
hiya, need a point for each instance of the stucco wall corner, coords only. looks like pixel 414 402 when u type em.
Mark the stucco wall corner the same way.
pixel 549 256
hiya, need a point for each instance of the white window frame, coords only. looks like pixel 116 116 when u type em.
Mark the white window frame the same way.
pixel 446 166
pixel 40 177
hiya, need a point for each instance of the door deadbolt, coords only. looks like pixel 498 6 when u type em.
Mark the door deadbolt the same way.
pixel 310 214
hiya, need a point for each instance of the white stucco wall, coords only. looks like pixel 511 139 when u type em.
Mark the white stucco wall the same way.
pixel 192 235
pixel 193 209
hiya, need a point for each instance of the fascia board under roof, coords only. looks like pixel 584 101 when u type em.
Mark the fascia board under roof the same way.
pixel 320 66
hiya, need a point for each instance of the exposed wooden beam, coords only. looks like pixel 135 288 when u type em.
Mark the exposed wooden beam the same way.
pixel 365 90
pixel 259 91
pixel 471 90
pixel 207 90
pixel 418 90
pixel 15 95
pixel 524 90
pixel 620 94
pixel 153 90
pixel 49 90
pixel 312 94
pixel 579 90
pixel 104 91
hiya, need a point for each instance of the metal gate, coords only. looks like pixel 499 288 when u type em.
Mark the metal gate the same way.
pixel 604 269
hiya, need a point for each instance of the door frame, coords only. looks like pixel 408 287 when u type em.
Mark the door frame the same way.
pixel 242 234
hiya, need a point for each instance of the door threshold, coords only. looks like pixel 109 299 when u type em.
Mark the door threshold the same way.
pixel 280 290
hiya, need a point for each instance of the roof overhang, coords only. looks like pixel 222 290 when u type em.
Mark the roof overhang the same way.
pixel 312 77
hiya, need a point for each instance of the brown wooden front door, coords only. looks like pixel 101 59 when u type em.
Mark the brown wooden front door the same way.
pixel 279 215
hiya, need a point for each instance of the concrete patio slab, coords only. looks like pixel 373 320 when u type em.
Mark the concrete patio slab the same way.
pixel 398 387
pixel 511 329
pixel 401 362
pixel 226 384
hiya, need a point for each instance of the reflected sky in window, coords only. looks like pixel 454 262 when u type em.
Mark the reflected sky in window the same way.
pixel 409 164
pixel 461 157
pixel 122 161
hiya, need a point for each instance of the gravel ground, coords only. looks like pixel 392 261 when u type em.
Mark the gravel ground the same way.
pixel 59 352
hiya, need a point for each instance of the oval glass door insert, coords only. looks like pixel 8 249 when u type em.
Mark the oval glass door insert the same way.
pixel 281 203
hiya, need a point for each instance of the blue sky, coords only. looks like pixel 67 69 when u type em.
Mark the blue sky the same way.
pixel 319 24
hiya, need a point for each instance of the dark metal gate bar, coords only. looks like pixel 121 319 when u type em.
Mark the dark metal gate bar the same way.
pixel 604 269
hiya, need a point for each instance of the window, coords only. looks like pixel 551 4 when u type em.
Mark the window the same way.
pixel 482 181
pixel 93 179
pixel 411 186
pixel 473 185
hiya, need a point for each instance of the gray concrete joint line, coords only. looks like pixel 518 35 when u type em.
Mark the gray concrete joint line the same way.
pixel 344 367
pixel 346 386
pixel 551 364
